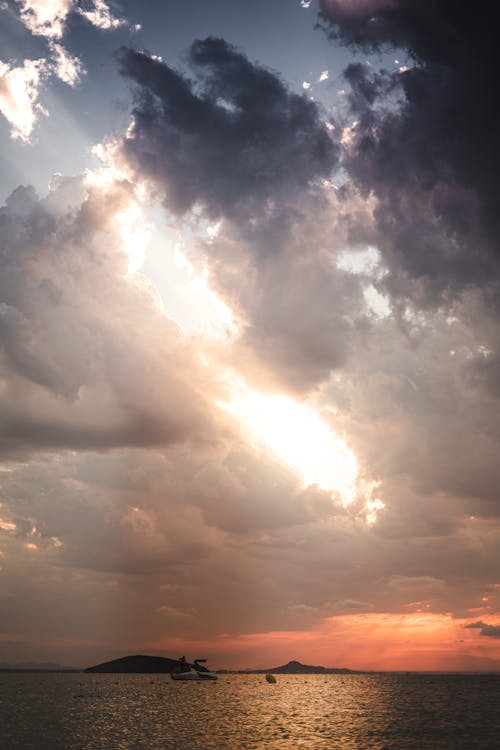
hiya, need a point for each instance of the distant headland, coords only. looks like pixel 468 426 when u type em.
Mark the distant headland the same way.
pixel 141 664
pixel 295 667
pixel 138 665
pixel 36 667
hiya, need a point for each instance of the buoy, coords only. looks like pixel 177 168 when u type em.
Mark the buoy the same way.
pixel 271 678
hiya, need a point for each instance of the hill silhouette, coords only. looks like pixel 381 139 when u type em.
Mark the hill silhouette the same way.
pixel 141 664
pixel 295 667
pixel 138 664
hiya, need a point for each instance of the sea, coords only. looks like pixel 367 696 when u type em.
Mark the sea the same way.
pixel 345 712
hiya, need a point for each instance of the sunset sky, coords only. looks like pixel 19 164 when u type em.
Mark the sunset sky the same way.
pixel 249 332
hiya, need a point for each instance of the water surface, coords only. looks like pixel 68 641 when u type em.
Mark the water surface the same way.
pixel 344 712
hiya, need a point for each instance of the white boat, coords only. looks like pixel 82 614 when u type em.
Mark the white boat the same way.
pixel 194 672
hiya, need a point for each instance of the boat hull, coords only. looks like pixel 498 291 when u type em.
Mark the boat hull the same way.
pixel 193 675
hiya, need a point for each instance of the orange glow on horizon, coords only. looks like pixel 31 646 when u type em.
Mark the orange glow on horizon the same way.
pixel 378 642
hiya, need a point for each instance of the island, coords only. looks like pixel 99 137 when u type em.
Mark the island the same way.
pixel 295 667
pixel 142 664
pixel 138 664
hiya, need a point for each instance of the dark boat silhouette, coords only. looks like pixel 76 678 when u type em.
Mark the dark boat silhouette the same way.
pixel 195 671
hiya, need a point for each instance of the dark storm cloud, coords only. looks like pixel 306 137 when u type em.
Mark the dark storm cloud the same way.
pixel 432 31
pixel 230 140
pixel 430 150
pixel 238 144
pixel 491 631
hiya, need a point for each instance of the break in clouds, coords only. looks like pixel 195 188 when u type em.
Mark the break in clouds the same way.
pixel 357 252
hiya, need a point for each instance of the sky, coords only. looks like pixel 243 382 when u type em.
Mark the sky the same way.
pixel 249 333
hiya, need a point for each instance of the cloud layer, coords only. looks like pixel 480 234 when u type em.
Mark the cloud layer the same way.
pixel 21 85
pixel 73 370
pixel 426 142
pixel 359 265
pixel 48 18
pixel 230 143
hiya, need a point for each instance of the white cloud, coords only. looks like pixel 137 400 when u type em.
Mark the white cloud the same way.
pixel 101 16
pixel 48 17
pixel 66 67
pixel 19 89
pixel 45 17
pixel 377 303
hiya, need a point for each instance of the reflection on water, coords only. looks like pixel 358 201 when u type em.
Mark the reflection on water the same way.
pixel 344 712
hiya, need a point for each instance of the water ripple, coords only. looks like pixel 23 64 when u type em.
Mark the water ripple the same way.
pixel 244 712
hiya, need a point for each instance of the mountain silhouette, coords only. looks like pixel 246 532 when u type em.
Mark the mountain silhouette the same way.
pixel 138 664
